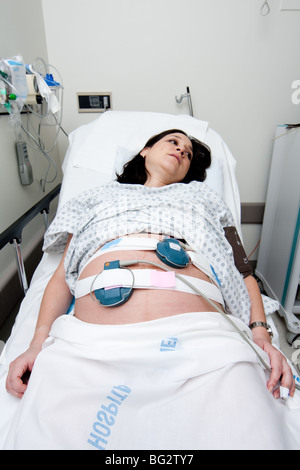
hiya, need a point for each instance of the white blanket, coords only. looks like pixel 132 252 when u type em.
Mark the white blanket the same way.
pixel 184 382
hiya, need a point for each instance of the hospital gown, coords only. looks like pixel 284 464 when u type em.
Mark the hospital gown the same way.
pixel 193 212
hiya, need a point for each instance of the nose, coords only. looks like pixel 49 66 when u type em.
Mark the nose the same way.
pixel 180 150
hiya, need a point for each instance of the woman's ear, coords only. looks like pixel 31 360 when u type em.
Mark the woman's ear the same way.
pixel 143 153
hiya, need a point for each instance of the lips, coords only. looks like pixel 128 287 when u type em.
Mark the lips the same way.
pixel 175 156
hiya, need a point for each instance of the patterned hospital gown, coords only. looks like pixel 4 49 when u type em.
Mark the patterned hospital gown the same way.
pixel 193 212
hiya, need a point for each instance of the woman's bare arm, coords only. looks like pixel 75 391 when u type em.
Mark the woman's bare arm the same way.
pixel 56 301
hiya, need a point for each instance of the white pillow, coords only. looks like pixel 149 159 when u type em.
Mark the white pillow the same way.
pixel 97 143
pixel 110 141
pixel 99 147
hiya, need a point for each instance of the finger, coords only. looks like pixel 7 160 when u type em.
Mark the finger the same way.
pixel 276 393
pixel 15 386
pixel 14 382
pixel 276 373
pixel 287 380
pixel 283 375
pixel 293 388
pixel 17 393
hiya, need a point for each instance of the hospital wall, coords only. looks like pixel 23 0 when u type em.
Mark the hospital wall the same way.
pixel 239 66
pixel 20 35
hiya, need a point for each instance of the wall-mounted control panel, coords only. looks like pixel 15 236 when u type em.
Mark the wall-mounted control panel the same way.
pixel 94 102
pixel 290 5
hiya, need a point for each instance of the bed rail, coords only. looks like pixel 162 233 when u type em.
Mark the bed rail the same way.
pixel 13 234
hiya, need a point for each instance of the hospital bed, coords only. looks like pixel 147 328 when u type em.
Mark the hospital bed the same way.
pixel 96 151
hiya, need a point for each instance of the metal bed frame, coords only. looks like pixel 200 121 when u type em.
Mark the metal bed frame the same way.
pixel 13 234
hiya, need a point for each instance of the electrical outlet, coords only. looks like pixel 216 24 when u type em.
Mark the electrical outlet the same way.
pixel 290 5
pixel 95 102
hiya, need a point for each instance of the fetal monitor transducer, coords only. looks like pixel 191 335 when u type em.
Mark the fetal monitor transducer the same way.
pixel 284 393
pixel 171 254
pixel 170 251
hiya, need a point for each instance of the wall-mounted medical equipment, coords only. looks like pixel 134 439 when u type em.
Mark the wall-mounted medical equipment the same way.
pixel 189 98
pixel 290 5
pixel 286 5
pixel 31 92
pixel 94 102
pixel 13 88
pixel 24 165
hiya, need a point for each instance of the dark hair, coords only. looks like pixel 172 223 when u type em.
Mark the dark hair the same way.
pixel 134 172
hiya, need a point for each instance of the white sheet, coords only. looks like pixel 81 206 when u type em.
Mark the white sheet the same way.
pixel 183 382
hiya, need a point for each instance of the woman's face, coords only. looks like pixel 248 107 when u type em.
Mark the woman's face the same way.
pixel 168 161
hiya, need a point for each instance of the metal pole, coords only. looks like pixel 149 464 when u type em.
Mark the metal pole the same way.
pixel 20 264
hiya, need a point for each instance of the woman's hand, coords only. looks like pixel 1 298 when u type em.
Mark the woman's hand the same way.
pixel 280 368
pixel 19 371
